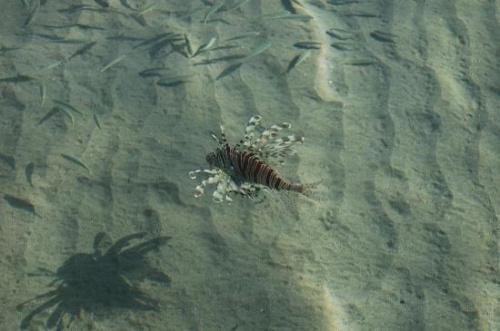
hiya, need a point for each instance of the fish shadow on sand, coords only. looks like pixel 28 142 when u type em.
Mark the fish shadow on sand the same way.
pixel 107 278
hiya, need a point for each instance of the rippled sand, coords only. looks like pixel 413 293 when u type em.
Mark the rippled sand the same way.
pixel 400 118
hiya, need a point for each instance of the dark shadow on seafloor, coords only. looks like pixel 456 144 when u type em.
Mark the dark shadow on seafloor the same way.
pixel 104 279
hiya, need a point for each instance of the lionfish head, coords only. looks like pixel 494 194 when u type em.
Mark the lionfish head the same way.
pixel 211 158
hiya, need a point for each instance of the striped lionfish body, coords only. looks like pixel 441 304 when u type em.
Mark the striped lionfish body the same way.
pixel 244 169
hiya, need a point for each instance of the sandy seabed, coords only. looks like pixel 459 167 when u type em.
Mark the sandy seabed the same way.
pixel 400 108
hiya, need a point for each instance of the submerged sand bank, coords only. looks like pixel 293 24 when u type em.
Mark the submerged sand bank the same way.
pixel 398 107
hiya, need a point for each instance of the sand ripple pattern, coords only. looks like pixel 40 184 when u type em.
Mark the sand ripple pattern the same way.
pixel 398 102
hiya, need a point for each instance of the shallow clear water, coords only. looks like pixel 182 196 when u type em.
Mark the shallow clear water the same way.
pixel 106 110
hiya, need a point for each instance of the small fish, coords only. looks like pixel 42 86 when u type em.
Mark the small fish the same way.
pixel 359 13
pixel 33 14
pixel 189 49
pixel 298 60
pixel 83 50
pixel 362 61
pixel 212 10
pixel 17 79
pixel 229 70
pixel 147 10
pixel 4 49
pixel 75 8
pixel 273 14
pixel 51 113
pixel 51 66
pixel 20 203
pixel 237 5
pixel 67 105
pixel 383 36
pixel 308 45
pixel 236 57
pixel 89 27
pixel 97 121
pixel 343 45
pixel 205 47
pixel 244 35
pixel 156 48
pixel 43 94
pixel 298 17
pixel 47 36
pixel 346 2
pixel 67 113
pixel 344 30
pixel 76 161
pixel 152 72
pixel 173 80
pixel 76 25
pixel 225 47
pixel 69 41
pixel 28 171
pixel 112 63
pixel 345 36
pixel 140 20
pixel 257 50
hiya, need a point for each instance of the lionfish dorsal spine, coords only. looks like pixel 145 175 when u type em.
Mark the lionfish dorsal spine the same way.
pixel 245 168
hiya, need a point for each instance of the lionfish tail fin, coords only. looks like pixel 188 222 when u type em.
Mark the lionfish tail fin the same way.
pixel 315 191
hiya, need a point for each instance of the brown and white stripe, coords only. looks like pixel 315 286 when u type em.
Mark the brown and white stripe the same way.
pixel 246 167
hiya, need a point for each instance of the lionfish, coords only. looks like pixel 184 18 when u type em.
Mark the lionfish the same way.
pixel 244 169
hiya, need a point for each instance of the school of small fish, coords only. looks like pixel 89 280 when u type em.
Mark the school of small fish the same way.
pixel 246 168
pixel 198 50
